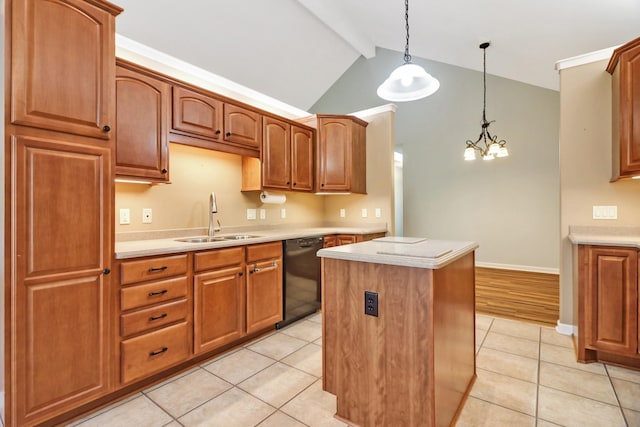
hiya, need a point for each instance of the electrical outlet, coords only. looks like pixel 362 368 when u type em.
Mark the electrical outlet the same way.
pixel 125 216
pixel 378 212
pixel 371 303
pixel 343 213
pixel 364 213
pixel 251 214
pixel 263 214
pixel 146 216
pixel 283 213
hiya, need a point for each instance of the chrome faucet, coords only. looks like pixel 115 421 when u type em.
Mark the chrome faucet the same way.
pixel 213 208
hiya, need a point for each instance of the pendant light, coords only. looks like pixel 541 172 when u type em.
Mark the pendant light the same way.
pixel 487 145
pixel 409 81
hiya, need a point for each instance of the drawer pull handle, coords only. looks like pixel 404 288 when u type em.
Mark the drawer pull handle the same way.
pixel 256 268
pixel 154 269
pixel 157 352
pixel 156 293
pixel 162 316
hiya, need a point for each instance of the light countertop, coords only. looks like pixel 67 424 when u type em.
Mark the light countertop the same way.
pixel 403 251
pixel 605 236
pixel 167 244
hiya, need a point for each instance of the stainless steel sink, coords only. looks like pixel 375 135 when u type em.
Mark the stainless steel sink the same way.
pixel 205 239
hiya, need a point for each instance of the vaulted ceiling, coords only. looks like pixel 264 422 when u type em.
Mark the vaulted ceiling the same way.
pixel 294 50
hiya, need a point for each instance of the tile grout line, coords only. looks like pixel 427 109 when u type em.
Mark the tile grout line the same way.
pixel 615 393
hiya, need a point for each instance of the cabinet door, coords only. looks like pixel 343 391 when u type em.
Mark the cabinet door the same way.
pixel 276 154
pixel 629 110
pixel 329 241
pixel 242 126
pixel 334 155
pixel 142 108
pixel 197 114
pixel 611 300
pixel 61 208
pixel 264 294
pixel 301 159
pixel 62 66
pixel 346 239
pixel 218 308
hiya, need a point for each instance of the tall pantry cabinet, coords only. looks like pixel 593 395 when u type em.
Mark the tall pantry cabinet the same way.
pixel 59 143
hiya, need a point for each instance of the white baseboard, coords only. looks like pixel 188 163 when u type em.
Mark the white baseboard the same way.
pixel 529 268
pixel 566 329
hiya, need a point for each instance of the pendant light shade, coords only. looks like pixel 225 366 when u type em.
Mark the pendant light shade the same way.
pixel 409 81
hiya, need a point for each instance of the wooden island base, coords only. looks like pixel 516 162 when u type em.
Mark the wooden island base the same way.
pixel 414 364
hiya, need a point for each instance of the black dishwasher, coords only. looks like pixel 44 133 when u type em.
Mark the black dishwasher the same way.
pixel 301 278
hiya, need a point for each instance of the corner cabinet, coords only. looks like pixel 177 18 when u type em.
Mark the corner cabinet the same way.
pixel 142 114
pixel 624 67
pixel 341 153
pixel 287 156
pixel 59 225
pixel 608 305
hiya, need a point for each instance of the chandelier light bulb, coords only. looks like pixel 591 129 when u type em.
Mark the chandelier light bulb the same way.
pixel 487 156
pixel 469 153
pixel 494 148
pixel 503 152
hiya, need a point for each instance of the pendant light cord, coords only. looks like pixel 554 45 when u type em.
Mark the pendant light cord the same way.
pixel 407 57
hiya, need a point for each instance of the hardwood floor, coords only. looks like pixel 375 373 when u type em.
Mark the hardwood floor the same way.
pixel 518 295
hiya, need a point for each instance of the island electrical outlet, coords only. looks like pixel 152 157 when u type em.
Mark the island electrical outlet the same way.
pixel 371 303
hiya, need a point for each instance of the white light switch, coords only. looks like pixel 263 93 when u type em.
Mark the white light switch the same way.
pixel 343 213
pixel 251 214
pixel 146 216
pixel 263 214
pixel 125 216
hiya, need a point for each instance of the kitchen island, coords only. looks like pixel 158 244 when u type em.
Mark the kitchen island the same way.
pixel 412 361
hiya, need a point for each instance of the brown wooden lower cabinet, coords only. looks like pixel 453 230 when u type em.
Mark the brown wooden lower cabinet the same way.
pixel 608 305
pixel 264 286
pixel 346 239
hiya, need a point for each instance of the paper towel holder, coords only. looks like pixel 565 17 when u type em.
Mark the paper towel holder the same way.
pixel 266 197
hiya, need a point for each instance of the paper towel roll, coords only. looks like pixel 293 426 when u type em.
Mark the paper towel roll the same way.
pixel 267 197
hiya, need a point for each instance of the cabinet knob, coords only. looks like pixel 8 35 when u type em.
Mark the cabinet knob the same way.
pixel 289 182
pixel 228 134
pixel 106 271
pixel 218 132
pixel 241 274
pixel 321 185
pixel 164 171
pixel 294 184
pixel 106 128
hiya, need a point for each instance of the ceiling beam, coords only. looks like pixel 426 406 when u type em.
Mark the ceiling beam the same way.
pixel 328 14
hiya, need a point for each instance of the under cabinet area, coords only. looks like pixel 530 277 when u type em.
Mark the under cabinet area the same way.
pixel 608 306
pixel 142 114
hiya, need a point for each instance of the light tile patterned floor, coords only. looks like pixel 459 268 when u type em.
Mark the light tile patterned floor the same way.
pixel 527 376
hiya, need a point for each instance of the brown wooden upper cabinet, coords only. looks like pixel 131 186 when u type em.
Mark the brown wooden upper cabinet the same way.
pixel 142 113
pixel 242 126
pixel 341 153
pixel 62 66
pixel 287 156
pixel 624 67
pixel 209 118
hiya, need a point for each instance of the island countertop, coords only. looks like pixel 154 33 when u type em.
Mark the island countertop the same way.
pixel 403 251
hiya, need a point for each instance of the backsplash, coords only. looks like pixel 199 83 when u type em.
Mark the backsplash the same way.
pixel 184 204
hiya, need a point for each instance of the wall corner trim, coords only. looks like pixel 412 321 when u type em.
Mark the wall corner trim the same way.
pixel 566 329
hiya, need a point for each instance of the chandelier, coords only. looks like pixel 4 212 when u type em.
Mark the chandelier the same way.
pixel 487 145
pixel 409 81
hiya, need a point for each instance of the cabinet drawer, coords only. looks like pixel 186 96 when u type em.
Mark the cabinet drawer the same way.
pixel 152 293
pixel 218 258
pixel 153 268
pixel 142 320
pixel 152 352
pixel 264 251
